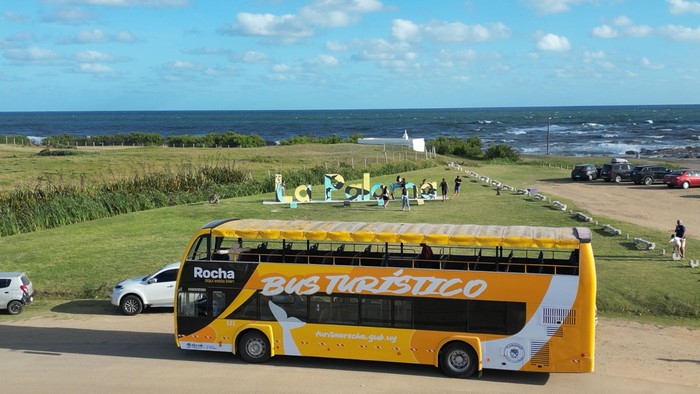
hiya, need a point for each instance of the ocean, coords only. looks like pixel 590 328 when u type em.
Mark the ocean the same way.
pixel 570 131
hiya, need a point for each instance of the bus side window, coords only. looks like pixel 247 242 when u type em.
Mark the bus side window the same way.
pixel 191 304
pixel 218 302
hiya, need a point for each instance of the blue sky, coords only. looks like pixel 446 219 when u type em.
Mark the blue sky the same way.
pixel 346 54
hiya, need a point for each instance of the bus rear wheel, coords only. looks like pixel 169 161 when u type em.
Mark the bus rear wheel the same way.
pixel 254 347
pixel 458 360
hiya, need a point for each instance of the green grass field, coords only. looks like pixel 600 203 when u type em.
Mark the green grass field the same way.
pixel 84 261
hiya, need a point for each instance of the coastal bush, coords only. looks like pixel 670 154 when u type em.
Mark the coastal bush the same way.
pixel 310 139
pixel 501 151
pixel 452 146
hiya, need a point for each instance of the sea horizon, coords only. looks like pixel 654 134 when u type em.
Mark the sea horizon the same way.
pixel 572 130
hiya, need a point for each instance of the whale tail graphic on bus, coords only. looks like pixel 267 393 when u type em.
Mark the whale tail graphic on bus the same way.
pixel 288 324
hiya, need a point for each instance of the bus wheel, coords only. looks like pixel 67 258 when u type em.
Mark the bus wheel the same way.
pixel 254 347
pixel 458 360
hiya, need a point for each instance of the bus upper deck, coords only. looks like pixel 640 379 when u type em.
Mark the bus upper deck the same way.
pixel 524 249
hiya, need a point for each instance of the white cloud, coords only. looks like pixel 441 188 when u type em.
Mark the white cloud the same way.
pixel 589 56
pixel 623 21
pixel 683 7
pixel 629 29
pixel 21 37
pixel 280 68
pixel 637 31
pixel 338 13
pixel 553 43
pixel 604 31
pixel 130 3
pixel 93 57
pixel 457 32
pixel 183 65
pixel 646 63
pixel 70 15
pixel 291 28
pixel 680 33
pixel 327 60
pixel 94 68
pixel 31 54
pixel 250 57
pixel 15 17
pixel 336 46
pixel 269 25
pixel 124 36
pixel 405 30
pixel 397 56
pixel 98 36
pixel 547 7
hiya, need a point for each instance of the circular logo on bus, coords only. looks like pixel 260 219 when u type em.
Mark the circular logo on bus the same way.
pixel 514 352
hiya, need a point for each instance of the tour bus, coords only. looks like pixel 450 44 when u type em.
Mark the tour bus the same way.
pixel 460 297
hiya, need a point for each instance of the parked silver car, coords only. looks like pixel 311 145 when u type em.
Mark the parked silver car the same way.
pixel 16 291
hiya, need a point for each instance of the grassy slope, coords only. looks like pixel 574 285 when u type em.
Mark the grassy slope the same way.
pixel 87 259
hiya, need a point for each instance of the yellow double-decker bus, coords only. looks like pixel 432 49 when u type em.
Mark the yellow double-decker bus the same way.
pixel 460 297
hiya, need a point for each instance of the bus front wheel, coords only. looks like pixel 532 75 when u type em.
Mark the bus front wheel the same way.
pixel 458 360
pixel 254 347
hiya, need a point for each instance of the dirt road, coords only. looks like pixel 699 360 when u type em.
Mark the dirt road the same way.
pixel 73 351
pixel 655 206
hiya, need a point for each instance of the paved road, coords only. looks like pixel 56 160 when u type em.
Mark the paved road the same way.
pixel 109 353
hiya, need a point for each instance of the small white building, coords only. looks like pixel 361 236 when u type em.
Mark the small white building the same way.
pixel 417 144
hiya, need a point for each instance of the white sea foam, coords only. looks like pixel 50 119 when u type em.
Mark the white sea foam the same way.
pixel 517 132
pixel 649 121
pixel 610 135
pixel 592 125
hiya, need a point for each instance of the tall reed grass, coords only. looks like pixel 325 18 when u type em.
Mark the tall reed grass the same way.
pixel 54 201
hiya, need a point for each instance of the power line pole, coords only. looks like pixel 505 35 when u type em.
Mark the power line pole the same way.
pixel 549 118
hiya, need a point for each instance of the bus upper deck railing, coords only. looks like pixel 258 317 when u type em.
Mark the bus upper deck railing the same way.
pixel 512 262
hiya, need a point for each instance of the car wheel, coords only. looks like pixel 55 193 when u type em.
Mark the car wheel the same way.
pixel 618 179
pixel 131 305
pixel 648 181
pixel 686 185
pixel 590 177
pixel 15 307
pixel 254 347
pixel 458 360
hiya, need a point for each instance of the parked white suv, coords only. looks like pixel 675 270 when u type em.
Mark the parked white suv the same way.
pixel 158 290
pixel 16 291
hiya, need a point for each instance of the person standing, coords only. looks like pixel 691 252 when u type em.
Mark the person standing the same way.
pixel 680 234
pixel 385 195
pixel 443 189
pixel 458 185
pixel 404 197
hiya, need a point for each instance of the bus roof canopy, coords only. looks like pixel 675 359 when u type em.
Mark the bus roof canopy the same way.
pixel 411 233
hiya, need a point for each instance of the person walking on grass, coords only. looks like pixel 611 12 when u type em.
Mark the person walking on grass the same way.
pixel 458 185
pixel 443 189
pixel 680 234
pixel 385 195
pixel 404 198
